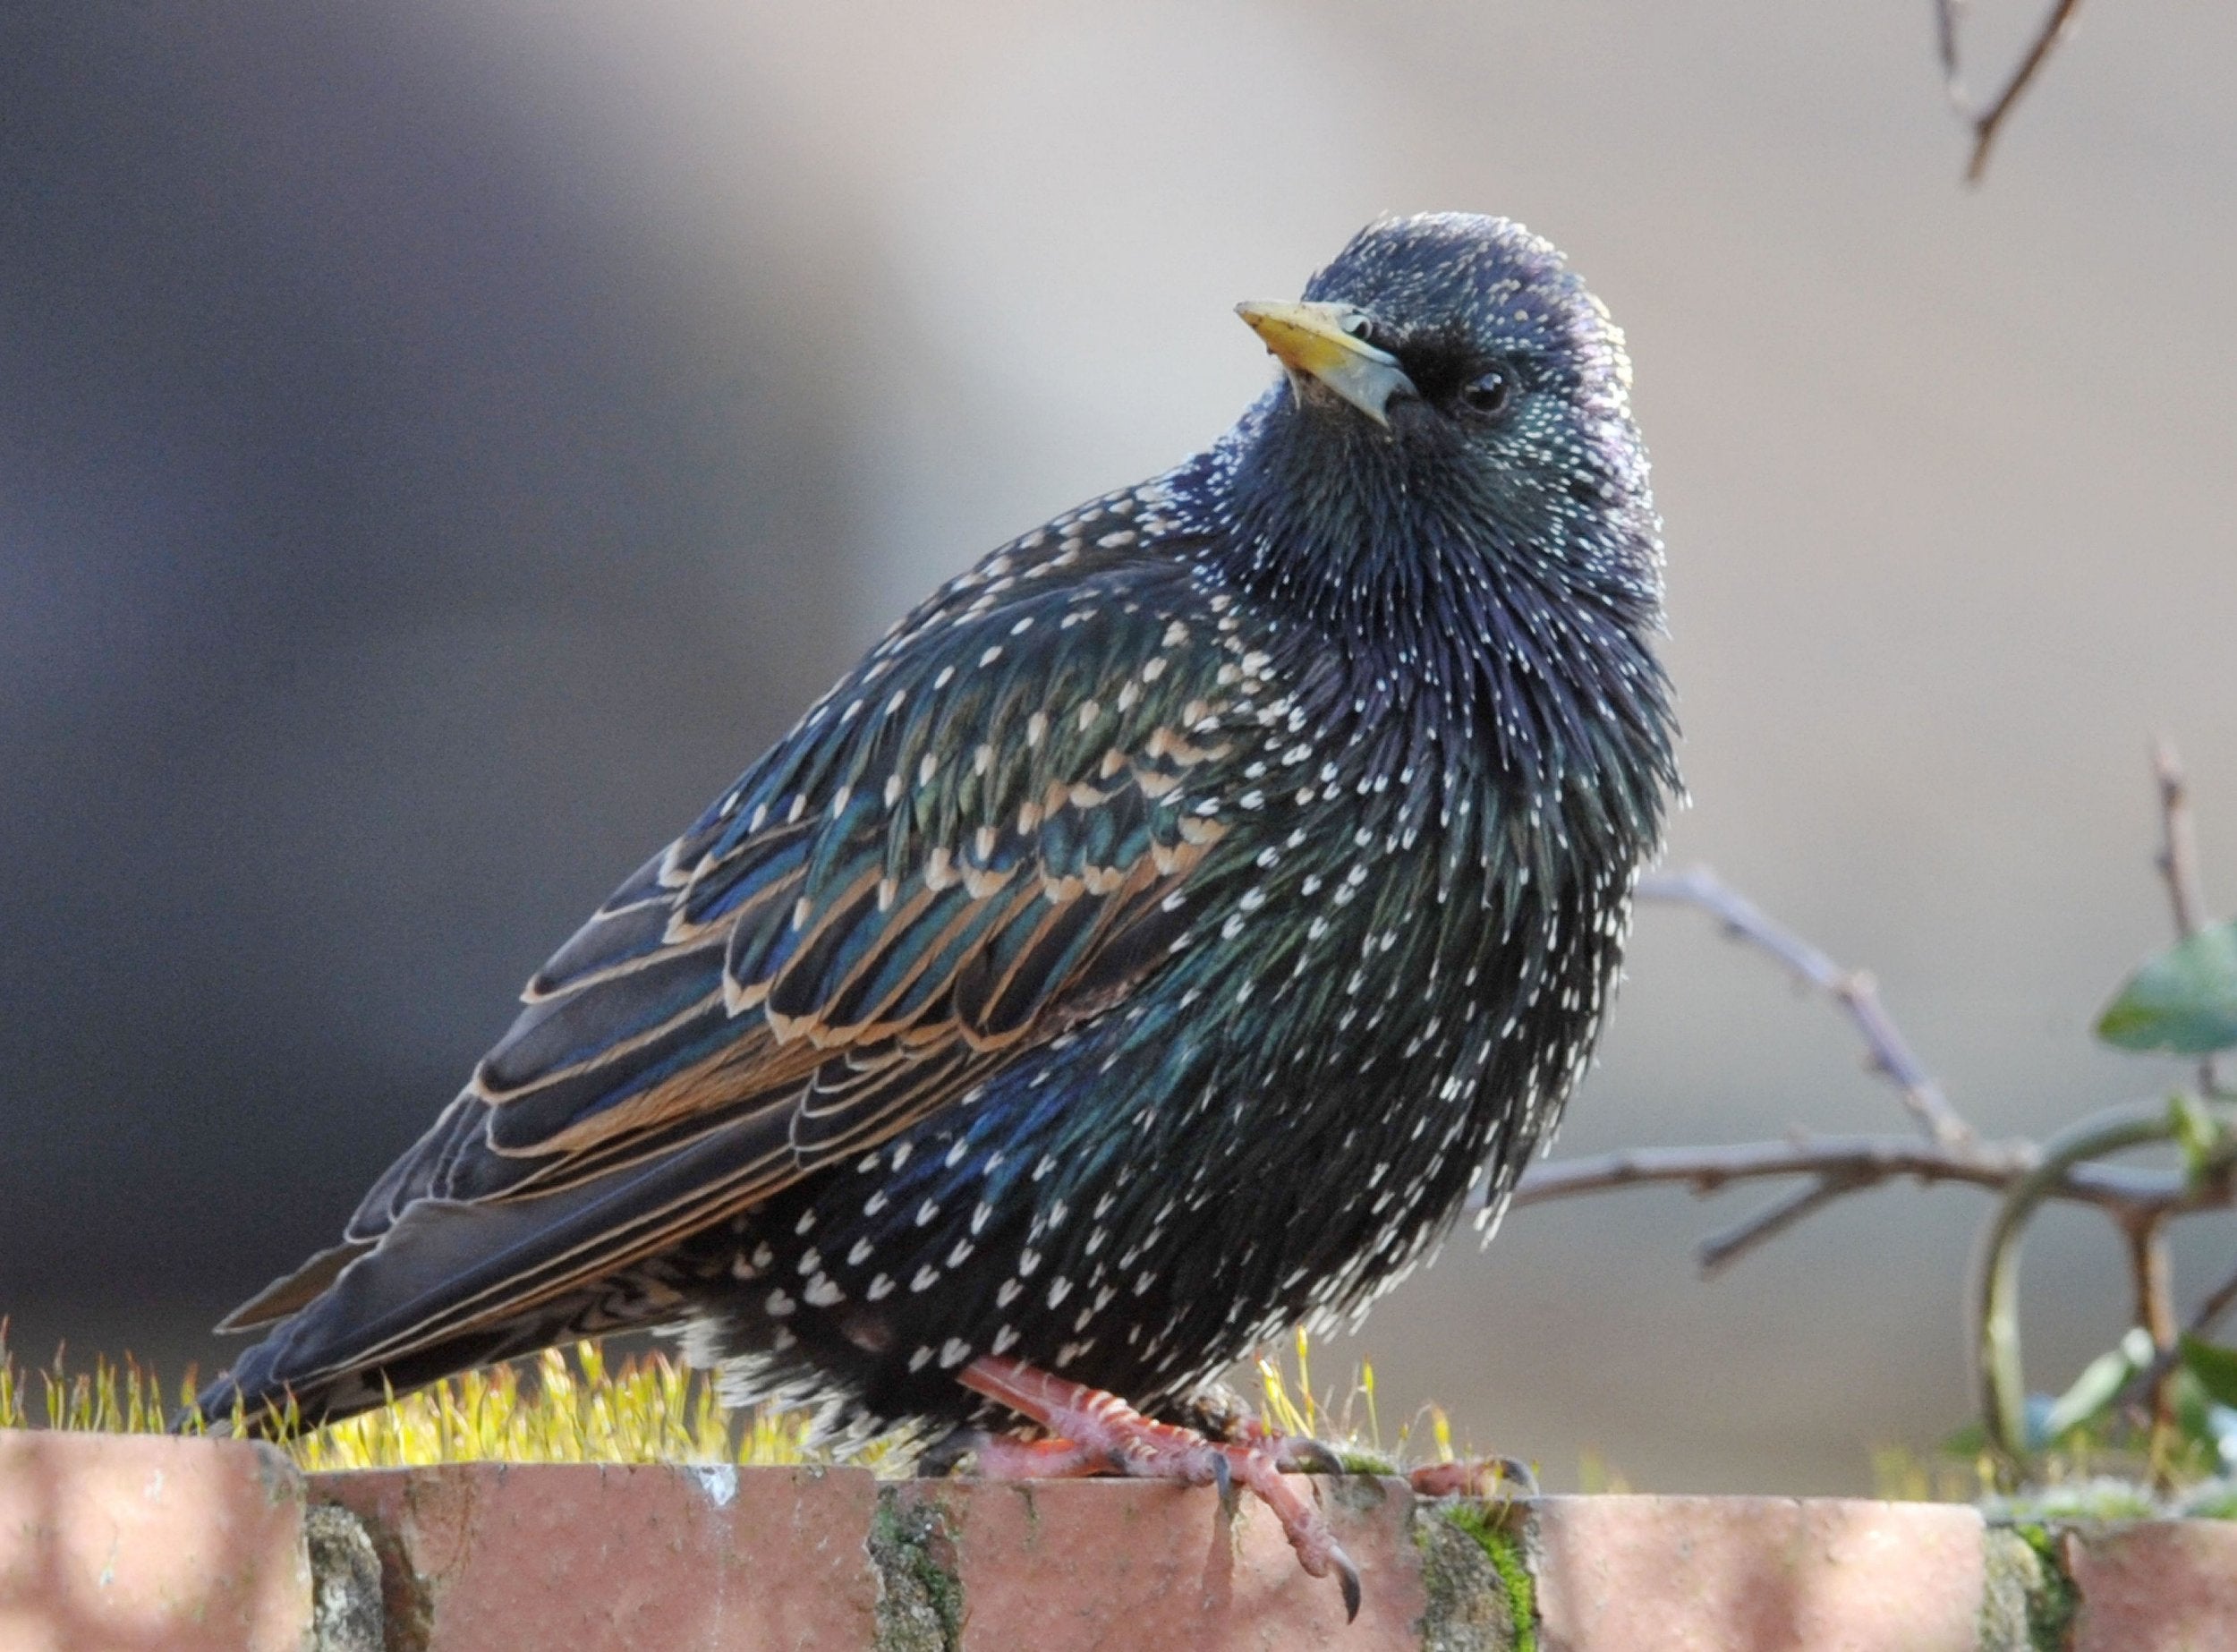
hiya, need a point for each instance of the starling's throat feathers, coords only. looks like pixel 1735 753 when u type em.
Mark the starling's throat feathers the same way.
pixel 1142 949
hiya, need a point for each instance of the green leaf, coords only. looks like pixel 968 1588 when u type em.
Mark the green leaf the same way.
pixel 2215 1366
pixel 2184 1001
pixel 2098 1387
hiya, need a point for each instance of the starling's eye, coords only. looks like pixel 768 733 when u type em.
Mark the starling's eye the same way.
pixel 1490 394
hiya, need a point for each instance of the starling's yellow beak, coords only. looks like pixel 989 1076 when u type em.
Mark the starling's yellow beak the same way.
pixel 1312 339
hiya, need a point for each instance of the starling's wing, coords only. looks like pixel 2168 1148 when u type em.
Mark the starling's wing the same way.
pixel 982 835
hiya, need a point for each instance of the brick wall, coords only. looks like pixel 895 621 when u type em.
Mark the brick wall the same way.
pixel 148 1545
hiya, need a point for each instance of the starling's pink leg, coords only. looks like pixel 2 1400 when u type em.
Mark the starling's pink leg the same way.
pixel 1095 1430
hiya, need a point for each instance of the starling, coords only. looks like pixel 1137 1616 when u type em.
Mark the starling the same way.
pixel 1145 948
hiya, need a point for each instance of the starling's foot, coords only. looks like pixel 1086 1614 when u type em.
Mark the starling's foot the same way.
pixel 1096 1433
pixel 1480 1476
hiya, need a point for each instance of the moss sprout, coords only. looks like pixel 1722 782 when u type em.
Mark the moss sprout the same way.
pixel 560 1407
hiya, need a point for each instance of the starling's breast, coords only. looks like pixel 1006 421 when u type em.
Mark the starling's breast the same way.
pixel 1398 1001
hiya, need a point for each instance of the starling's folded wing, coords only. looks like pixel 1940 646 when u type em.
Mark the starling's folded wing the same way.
pixel 987 832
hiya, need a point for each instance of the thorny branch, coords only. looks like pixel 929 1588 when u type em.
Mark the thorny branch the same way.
pixel 1987 120
pixel 1853 989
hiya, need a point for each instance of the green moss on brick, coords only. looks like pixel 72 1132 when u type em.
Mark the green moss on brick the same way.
pixel 1487 1522
pixel 2054 1600
pixel 1482 1597
pixel 919 1595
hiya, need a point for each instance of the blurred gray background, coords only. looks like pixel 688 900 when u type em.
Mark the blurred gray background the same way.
pixel 440 443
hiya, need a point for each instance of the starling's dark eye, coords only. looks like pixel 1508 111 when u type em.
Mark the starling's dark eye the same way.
pixel 1489 395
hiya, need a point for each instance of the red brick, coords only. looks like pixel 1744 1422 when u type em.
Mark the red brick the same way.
pixel 2162 1586
pixel 1756 1574
pixel 142 1544
pixel 1070 1565
pixel 536 1558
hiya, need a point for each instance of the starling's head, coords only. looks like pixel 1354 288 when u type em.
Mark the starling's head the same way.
pixel 1447 479
pixel 1448 380
pixel 1447 314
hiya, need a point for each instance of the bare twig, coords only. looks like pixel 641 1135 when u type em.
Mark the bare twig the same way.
pixel 2178 863
pixel 1720 1251
pixel 2151 1275
pixel 2178 858
pixel 2215 1303
pixel 1840 1165
pixel 1987 121
pixel 1852 990
pixel 1945 29
pixel 2210 1308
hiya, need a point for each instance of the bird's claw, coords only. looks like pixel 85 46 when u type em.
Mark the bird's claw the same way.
pixel 1223 1477
pixel 1348 1580
pixel 1301 1454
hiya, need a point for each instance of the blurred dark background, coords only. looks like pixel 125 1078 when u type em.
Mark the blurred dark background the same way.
pixel 440 444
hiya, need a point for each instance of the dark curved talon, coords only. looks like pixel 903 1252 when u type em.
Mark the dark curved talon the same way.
pixel 1520 1473
pixel 1348 1579
pixel 1223 1477
pixel 1300 1455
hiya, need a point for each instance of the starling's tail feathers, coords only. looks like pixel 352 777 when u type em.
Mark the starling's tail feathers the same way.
pixel 454 1284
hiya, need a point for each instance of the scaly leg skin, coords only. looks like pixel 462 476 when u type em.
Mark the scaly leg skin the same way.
pixel 1092 1432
